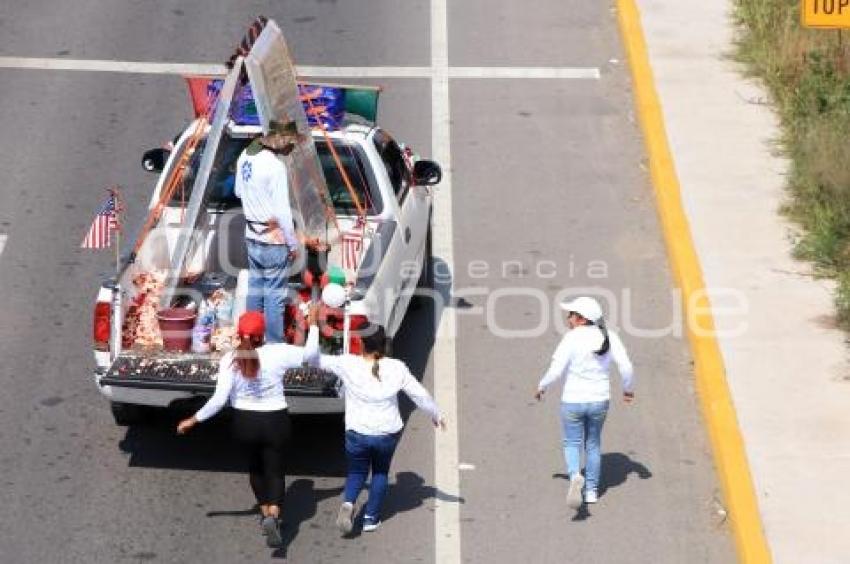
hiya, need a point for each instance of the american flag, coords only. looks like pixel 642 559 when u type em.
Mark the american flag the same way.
pixel 352 246
pixel 106 220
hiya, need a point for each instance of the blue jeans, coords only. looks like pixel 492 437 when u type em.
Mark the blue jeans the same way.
pixel 364 452
pixel 267 285
pixel 582 428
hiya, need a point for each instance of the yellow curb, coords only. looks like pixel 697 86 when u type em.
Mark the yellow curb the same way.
pixel 719 412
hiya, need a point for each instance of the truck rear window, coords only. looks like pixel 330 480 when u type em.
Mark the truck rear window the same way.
pixel 222 178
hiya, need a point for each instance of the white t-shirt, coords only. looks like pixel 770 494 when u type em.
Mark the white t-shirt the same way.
pixel 263 393
pixel 371 404
pixel 585 373
pixel 263 187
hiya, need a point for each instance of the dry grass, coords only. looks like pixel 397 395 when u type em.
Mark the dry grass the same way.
pixel 808 75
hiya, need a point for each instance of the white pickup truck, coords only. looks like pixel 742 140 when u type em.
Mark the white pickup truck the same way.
pixel 393 262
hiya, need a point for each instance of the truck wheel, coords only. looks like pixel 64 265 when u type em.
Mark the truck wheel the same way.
pixel 126 414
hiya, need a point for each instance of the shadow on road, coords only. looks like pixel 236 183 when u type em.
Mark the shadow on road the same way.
pixel 410 492
pixel 300 506
pixel 616 468
pixel 407 493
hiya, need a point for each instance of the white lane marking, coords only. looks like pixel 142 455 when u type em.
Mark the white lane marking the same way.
pixel 364 72
pixel 140 67
pixel 3 239
pixel 109 66
pixel 525 72
pixel 446 474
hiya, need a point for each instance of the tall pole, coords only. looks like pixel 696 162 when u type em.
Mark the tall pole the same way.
pixel 118 252
pixel 119 209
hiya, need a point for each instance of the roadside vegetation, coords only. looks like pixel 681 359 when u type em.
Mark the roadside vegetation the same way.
pixel 808 75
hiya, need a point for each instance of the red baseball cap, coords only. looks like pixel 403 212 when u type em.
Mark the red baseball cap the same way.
pixel 252 324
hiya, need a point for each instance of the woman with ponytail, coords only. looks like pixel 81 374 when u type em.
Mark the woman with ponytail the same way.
pixel 583 360
pixel 371 384
pixel 250 378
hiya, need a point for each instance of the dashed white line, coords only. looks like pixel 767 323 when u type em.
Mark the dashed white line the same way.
pixel 3 239
pixel 446 473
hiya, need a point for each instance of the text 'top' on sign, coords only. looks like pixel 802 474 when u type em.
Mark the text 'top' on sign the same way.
pixel 826 13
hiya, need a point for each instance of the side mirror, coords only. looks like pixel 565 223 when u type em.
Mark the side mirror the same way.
pixel 155 159
pixel 427 173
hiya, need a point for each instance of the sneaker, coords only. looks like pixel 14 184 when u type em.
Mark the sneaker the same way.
pixel 574 493
pixel 271 529
pixel 343 518
pixel 590 496
pixel 370 524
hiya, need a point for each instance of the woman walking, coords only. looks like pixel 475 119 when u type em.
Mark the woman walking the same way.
pixel 371 383
pixel 251 379
pixel 583 360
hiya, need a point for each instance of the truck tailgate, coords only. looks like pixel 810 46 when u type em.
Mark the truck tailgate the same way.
pixel 192 373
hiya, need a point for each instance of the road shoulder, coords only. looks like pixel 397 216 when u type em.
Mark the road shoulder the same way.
pixel 732 183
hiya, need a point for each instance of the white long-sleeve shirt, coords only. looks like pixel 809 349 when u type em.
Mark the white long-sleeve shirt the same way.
pixel 263 393
pixel 263 186
pixel 586 374
pixel 371 405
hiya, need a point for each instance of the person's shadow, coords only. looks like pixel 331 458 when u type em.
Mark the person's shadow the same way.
pixel 302 501
pixel 409 492
pixel 300 506
pixel 616 468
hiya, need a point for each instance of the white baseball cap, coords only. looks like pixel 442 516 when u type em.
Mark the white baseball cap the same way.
pixel 334 295
pixel 585 307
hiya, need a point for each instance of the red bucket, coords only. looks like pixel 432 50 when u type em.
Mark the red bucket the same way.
pixel 175 325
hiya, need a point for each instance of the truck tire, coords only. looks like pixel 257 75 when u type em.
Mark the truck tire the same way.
pixel 126 414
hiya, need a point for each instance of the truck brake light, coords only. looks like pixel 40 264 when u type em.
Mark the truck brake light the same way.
pixel 101 326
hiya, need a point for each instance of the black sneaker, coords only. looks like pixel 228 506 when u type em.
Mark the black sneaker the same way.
pixel 271 529
pixel 371 524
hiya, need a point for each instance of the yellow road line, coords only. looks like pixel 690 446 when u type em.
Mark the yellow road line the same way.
pixel 718 409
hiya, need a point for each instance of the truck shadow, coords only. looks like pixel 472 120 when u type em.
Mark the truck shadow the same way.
pixel 315 450
pixel 317 445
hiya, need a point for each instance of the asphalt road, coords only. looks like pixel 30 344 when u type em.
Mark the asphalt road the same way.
pixel 545 170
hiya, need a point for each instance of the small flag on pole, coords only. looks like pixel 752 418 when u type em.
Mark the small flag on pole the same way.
pixel 352 246
pixel 106 220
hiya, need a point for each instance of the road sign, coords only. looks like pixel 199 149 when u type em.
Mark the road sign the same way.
pixel 826 13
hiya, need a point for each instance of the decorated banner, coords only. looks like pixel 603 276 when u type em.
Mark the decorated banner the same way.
pixel 275 89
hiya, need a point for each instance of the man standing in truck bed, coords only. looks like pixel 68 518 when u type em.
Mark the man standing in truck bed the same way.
pixel 263 187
